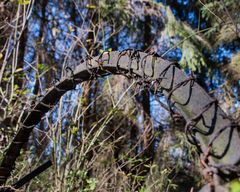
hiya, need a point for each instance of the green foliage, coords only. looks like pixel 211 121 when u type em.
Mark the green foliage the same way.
pixel 234 186
pixel 74 130
pixel 191 57
pixel 92 183
pixel 80 176
pixel 171 165
pixel 111 9
pixel 42 67
pixel 205 9
pixel 233 69
pixel 226 34
pixel 191 42
pixel 224 18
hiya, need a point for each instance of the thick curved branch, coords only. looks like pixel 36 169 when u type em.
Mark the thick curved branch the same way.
pixel 193 102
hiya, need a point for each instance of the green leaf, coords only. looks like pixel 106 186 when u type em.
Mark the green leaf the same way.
pixel 42 67
pixel 1 56
pixel 235 186
pixel 74 130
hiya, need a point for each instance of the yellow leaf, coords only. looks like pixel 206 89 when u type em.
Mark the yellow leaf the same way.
pixel 74 130
pixel 5 79
pixel 110 49
pixel 54 31
pixel 24 2
pixel 19 70
pixel 1 55
pixel 38 42
pixel 91 6
pixel 71 28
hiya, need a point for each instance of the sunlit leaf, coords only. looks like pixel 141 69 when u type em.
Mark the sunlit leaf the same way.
pixel 5 78
pixel 24 2
pixel 235 186
pixel 71 28
pixel 40 66
pixel 91 6
pixel 74 130
pixel 55 31
pixel 19 70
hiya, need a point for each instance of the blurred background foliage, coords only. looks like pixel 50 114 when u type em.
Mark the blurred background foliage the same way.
pixel 109 134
